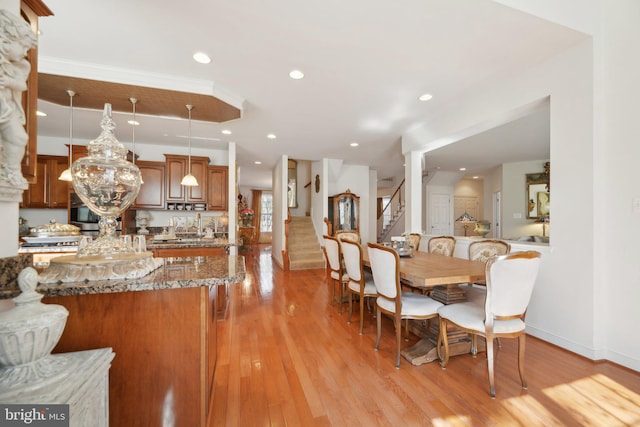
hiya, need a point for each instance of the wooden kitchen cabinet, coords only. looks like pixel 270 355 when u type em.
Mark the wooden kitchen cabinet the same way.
pixel 177 167
pixel 48 191
pixel 152 194
pixel 31 10
pixel 217 188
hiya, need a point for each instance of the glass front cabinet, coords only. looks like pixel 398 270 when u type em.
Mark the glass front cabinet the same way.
pixel 344 212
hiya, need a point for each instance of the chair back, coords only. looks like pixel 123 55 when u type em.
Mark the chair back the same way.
pixel 413 240
pixel 384 267
pixel 442 245
pixel 352 255
pixel 332 252
pixel 510 281
pixel 482 250
pixel 351 236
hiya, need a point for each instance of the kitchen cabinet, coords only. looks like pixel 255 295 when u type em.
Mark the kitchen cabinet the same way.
pixel 48 191
pixel 176 168
pixel 152 194
pixel 217 188
pixel 31 10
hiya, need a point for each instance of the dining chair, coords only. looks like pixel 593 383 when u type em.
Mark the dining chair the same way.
pixel 443 245
pixel 360 283
pixel 351 236
pixel 483 250
pixel 510 281
pixel 413 240
pixel 337 276
pixel 391 300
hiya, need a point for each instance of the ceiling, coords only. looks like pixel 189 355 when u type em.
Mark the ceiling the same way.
pixel 365 65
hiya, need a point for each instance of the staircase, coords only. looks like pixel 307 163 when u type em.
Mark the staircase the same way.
pixel 304 250
pixel 395 217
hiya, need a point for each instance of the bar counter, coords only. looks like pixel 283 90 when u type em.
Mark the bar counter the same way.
pixel 163 330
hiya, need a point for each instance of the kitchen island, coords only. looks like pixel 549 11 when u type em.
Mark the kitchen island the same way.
pixel 162 328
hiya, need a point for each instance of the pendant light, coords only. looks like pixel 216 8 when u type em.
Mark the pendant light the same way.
pixel 189 179
pixel 134 123
pixel 66 174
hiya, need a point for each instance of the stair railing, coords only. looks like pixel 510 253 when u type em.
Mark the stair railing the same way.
pixel 392 210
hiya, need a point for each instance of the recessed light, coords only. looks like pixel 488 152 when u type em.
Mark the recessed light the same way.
pixel 463 169
pixel 296 74
pixel 257 162
pixel 354 144
pixel 226 131
pixel 134 122
pixel 425 97
pixel 271 136
pixel 41 114
pixel 201 57
pixel 476 177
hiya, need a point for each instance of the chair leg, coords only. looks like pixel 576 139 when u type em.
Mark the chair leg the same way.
pixel 443 340
pixel 379 328
pixel 492 386
pixel 341 284
pixel 406 329
pixel 398 325
pixel 350 295
pixel 474 345
pixel 361 313
pixel 521 345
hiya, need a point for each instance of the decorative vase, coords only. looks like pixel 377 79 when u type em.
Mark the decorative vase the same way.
pixel 108 184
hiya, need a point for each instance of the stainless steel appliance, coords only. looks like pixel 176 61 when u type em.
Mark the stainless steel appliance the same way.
pixel 82 217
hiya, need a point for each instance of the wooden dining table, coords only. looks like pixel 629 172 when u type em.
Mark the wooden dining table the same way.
pixel 444 274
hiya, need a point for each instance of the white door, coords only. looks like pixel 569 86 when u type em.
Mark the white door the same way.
pixel 440 214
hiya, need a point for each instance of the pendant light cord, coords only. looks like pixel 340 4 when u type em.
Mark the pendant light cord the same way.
pixel 133 130
pixel 189 107
pixel 71 95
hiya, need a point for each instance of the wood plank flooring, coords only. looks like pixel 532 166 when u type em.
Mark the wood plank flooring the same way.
pixel 287 357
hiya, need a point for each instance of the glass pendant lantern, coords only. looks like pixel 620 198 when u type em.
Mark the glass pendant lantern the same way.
pixel 108 184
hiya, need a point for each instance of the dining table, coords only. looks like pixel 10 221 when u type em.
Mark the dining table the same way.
pixel 440 276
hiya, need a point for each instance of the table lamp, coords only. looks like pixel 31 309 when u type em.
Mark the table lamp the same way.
pixel 465 219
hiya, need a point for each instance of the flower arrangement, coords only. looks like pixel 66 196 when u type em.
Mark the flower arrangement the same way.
pixel 246 215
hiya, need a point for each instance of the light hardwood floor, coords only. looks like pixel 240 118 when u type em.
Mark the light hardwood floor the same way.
pixel 287 357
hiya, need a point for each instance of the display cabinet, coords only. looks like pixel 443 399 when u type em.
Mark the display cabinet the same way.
pixel 344 212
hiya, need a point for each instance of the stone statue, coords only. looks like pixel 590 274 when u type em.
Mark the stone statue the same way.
pixel 16 38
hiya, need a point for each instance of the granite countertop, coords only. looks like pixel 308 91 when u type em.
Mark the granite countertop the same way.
pixel 183 272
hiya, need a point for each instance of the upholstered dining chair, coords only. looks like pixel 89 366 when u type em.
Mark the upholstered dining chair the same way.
pixel 413 240
pixel 351 236
pixel 510 282
pixel 483 250
pixel 443 245
pixel 337 276
pixel 360 284
pixel 391 300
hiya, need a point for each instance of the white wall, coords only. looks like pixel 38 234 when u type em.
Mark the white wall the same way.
pixel 568 80
pixel 279 184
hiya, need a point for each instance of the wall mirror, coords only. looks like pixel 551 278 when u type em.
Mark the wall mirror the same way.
pixel 292 184
pixel 538 193
pixel 344 212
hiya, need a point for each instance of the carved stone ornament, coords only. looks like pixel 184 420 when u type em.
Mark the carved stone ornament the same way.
pixel 28 333
pixel 16 38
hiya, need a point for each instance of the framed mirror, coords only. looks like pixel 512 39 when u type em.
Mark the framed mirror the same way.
pixel 538 194
pixel 292 184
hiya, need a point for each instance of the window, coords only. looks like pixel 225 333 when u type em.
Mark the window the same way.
pixel 266 208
